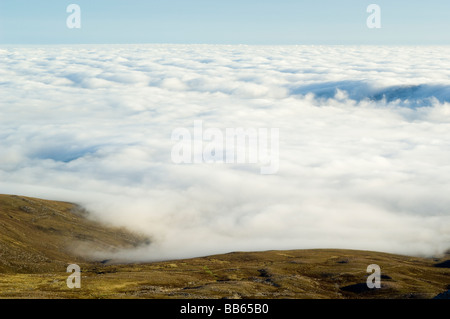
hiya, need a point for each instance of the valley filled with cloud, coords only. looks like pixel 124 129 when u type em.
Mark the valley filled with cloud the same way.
pixel 364 143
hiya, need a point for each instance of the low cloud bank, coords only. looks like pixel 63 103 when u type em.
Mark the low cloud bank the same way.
pixel 364 143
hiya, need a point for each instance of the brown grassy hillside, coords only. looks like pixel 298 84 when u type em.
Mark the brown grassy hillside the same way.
pixel 39 236
pixel 37 239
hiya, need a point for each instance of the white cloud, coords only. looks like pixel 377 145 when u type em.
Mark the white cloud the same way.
pixel 362 164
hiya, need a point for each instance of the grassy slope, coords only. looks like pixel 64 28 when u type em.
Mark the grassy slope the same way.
pixel 41 236
pixel 36 242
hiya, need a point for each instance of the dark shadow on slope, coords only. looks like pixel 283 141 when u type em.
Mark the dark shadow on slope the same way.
pixel 444 264
pixel 356 288
pixel 444 295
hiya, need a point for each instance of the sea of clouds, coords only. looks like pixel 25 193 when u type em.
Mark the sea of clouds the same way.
pixel 364 143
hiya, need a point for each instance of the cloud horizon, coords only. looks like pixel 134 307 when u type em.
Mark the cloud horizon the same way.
pixel 363 143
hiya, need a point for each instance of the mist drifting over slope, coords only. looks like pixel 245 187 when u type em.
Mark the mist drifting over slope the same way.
pixel 364 143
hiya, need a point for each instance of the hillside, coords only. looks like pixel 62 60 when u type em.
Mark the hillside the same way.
pixel 38 237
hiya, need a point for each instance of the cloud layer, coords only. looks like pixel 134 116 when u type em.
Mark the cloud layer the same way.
pixel 364 143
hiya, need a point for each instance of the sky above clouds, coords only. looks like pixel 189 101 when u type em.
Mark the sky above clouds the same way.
pixel 410 22
pixel 364 143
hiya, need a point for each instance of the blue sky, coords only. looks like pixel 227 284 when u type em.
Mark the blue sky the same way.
pixel 225 22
